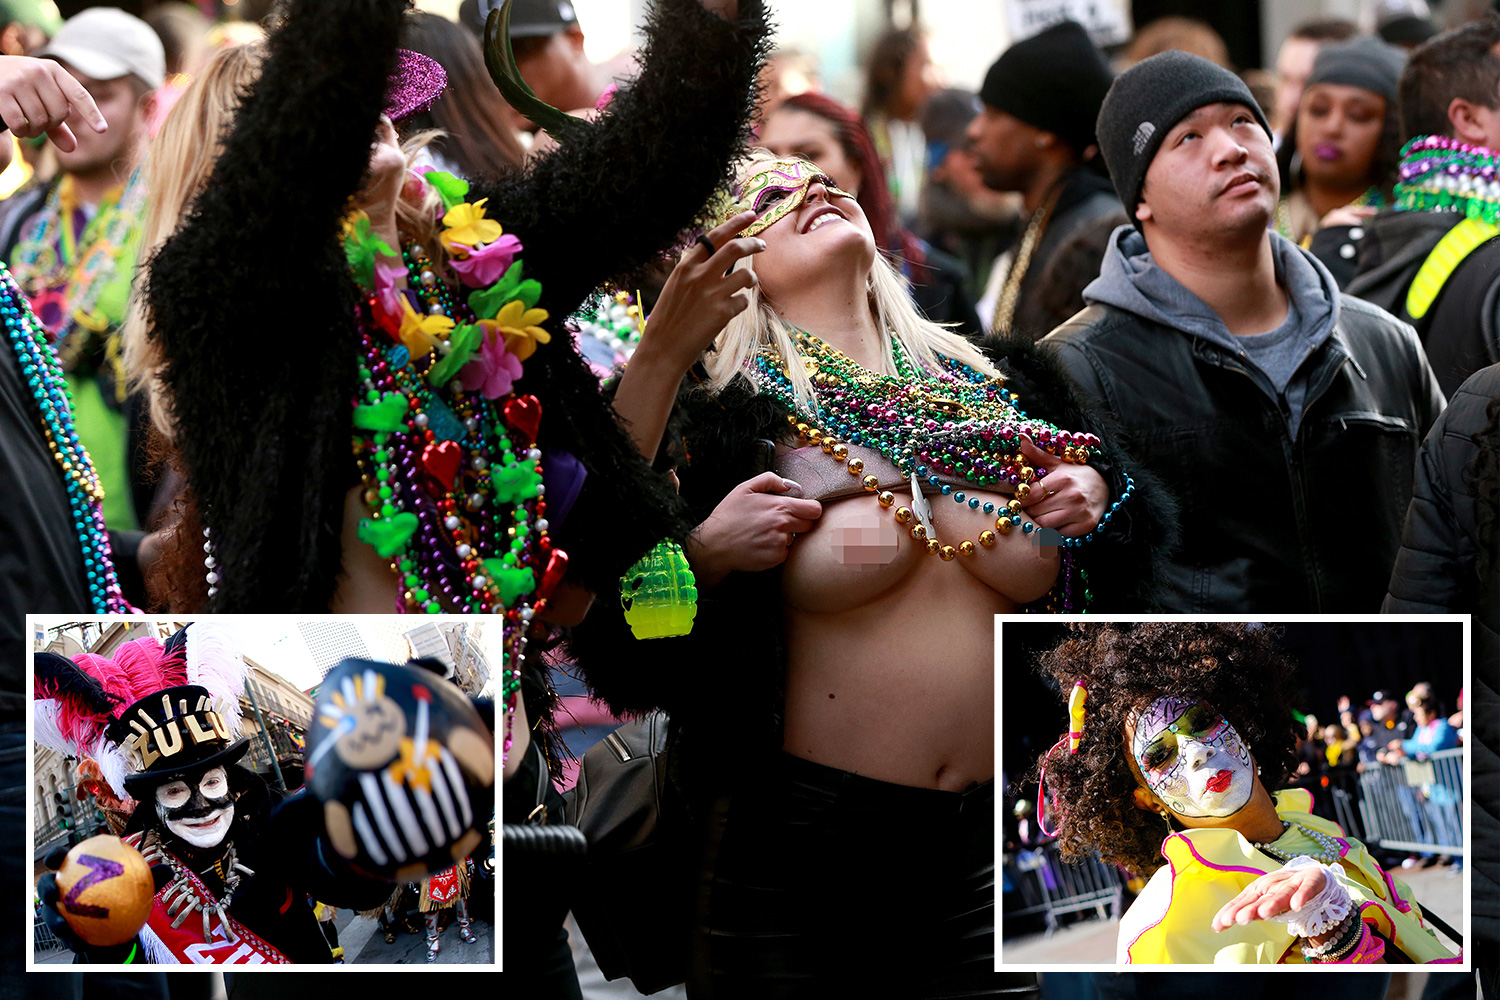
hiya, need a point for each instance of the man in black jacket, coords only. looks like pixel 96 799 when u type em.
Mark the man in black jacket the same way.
pixel 1450 94
pixel 1035 136
pixel 1286 417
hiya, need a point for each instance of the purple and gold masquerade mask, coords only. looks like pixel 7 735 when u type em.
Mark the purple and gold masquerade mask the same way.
pixel 778 189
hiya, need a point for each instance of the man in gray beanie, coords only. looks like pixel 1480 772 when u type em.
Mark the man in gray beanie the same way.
pixel 1286 418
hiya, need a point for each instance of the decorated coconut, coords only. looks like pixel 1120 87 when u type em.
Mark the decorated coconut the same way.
pixel 104 890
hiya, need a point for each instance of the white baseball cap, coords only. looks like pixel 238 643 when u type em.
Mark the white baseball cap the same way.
pixel 106 43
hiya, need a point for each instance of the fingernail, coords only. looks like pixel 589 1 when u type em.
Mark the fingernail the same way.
pixel 793 488
pixel 760 244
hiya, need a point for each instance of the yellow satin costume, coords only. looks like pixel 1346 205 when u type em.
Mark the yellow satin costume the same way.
pixel 1171 921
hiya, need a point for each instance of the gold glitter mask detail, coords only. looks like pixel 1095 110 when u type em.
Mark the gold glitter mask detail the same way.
pixel 779 189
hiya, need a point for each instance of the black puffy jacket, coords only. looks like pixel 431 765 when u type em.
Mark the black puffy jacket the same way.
pixel 1268 523
pixel 1448 564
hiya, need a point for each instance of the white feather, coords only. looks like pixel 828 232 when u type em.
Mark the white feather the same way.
pixel 112 765
pixel 44 713
pixel 214 661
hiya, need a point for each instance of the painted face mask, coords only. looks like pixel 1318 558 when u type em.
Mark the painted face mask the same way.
pixel 1192 758
pixel 777 189
pixel 198 811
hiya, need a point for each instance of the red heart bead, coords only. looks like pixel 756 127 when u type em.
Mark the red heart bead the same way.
pixel 441 461
pixel 524 413
pixel 557 565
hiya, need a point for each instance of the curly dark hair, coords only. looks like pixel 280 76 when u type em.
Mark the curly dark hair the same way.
pixel 1238 668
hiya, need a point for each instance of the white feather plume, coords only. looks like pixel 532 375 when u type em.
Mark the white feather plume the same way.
pixel 112 765
pixel 215 662
pixel 46 730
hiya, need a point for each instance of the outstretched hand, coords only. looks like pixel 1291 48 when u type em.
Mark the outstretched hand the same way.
pixel 38 96
pixel 1070 498
pixel 50 896
pixel 1271 895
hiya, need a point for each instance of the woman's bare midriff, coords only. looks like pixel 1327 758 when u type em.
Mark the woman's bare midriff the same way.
pixel 890 651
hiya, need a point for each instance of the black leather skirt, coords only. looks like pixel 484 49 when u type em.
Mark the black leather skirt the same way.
pixel 814 876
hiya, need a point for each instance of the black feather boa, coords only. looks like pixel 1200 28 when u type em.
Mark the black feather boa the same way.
pixel 252 300
pixel 723 684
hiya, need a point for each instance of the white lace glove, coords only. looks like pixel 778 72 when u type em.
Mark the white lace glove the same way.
pixel 1324 911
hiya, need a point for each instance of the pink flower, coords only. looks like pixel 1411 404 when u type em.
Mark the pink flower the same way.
pixel 485 266
pixel 492 369
pixel 387 296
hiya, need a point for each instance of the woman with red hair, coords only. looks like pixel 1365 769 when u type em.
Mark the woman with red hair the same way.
pixel 831 135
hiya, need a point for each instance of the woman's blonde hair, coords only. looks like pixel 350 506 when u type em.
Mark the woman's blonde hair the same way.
pixel 177 166
pixel 180 161
pixel 896 317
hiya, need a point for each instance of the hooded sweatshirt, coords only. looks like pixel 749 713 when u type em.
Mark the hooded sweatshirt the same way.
pixel 1130 280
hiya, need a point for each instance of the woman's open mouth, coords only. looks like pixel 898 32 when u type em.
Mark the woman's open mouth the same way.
pixel 1220 781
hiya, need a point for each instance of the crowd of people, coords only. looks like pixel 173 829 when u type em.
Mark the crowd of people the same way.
pixel 310 317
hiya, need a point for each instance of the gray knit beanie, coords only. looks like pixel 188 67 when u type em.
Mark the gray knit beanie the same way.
pixel 1366 63
pixel 1147 100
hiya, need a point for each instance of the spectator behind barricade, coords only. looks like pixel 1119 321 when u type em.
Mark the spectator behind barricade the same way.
pixel 900 78
pixel 1362 730
pixel 477 139
pixel 1431 733
pixel 961 215
pixel 830 135
pixel 1432 258
pixel 1184 34
pixel 1340 746
pixel 1310 747
pixel 1035 136
pixel 1294 64
pixel 71 244
pixel 1338 163
pixel 787 73
pixel 1391 720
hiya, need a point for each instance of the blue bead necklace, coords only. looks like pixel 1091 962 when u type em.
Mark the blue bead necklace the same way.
pixel 44 377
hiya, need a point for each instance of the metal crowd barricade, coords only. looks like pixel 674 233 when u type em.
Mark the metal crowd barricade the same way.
pixel 46 941
pixel 1416 805
pixel 1052 887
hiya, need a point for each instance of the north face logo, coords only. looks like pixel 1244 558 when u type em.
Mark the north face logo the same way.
pixel 1143 134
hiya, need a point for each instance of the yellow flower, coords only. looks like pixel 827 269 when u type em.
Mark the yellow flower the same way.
pixel 467 227
pixel 419 332
pixel 519 326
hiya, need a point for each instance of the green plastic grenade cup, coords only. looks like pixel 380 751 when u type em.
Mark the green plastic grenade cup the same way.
pixel 659 594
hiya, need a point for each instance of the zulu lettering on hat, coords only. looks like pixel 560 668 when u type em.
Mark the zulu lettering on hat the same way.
pixel 172 732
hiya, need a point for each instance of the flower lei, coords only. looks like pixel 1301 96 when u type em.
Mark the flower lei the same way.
pixel 956 422
pixel 44 377
pixel 1439 174
pixel 446 448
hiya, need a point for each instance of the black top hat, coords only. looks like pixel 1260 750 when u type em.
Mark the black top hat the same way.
pixel 171 733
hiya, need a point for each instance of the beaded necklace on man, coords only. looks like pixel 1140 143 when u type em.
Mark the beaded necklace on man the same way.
pixel 65 277
pixel 956 423
pixel 1438 174
pixel 446 449
pixel 44 378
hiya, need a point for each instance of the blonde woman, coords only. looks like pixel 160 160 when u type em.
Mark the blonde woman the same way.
pixel 833 707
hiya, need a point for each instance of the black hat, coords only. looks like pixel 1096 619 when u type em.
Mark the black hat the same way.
pixel 1366 63
pixel 171 733
pixel 1147 100
pixel 1054 81
pixel 533 18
